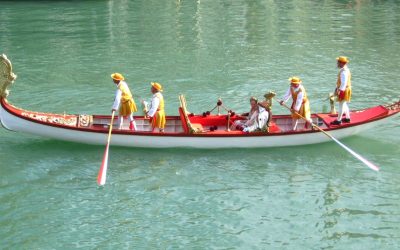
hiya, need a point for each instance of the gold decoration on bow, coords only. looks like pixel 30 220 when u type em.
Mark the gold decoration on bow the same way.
pixel 7 77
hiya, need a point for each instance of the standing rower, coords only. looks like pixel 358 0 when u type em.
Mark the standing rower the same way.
pixel 156 111
pixel 343 90
pixel 300 103
pixel 123 101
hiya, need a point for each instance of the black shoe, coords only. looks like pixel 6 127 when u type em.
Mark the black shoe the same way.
pixel 336 122
pixel 346 120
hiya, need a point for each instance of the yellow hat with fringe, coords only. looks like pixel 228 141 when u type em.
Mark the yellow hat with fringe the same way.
pixel 157 86
pixel 295 80
pixel 342 59
pixel 117 76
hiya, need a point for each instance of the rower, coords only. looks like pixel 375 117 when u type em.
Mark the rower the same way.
pixel 300 103
pixel 343 90
pixel 156 111
pixel 123 101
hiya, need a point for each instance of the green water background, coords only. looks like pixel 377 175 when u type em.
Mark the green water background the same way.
pixel 312 197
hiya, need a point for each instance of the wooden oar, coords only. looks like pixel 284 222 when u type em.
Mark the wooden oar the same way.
pixel 359 157
pixel 101 177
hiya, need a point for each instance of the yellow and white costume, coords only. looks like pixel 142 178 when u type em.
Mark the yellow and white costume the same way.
pixel 343 87
pixel 344 83
pixel 157 111
pixel 123 101
pixel 300 102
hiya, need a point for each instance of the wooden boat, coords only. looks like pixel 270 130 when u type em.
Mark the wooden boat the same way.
pixel 183 130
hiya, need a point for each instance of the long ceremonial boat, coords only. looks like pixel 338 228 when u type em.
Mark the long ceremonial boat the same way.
pixel 184 130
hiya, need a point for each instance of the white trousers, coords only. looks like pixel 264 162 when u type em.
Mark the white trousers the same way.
pixel 121 121
pixel 343 109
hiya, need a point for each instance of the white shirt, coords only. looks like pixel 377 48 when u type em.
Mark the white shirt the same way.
pixel 344 77
pixel 252 118
pixel 118 95
pixel 260 122
pixel 299 97
pixel 155 101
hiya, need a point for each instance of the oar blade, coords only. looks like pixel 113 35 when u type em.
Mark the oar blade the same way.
pixel 369 164
pixel 362 159
pixel 359 157
pixel 101 177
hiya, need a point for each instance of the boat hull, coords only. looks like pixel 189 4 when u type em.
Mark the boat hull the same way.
pixel 146 139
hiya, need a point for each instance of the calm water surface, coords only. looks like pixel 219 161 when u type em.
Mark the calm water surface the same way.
pixel 312 197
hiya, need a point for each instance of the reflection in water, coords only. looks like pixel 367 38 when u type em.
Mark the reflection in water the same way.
pixel 337 220
pixel 330 197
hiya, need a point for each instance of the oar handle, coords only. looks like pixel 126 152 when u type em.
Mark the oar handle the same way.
pixel 111 126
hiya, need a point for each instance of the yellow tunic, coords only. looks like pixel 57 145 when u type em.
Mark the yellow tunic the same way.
pixel 347 91
pixel 305 104
pixel 159 120
pixel 128 105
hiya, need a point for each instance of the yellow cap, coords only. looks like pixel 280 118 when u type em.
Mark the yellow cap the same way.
pixel 117 76
pixel 295 80
pixel 342 59
pixel 157 86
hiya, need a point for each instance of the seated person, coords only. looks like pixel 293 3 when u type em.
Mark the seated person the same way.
pixel 261 121
pixel 265 113
pixel 247 119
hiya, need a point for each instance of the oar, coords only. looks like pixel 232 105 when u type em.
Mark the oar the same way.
pixel 101 177
pixel 359 157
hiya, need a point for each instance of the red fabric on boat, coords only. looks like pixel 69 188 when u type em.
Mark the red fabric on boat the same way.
pixel 210 120
pixel 359 116
pixel 371 113
pixel 273 128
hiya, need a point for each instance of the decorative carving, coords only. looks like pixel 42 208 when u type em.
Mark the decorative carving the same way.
pixel 267 104
pixel 54 119
pixel 7 77
pixel 185 112
pixel 85 120
pixel 331 99
pixel 393 106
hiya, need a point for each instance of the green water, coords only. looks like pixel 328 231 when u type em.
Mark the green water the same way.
pixel 312 197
